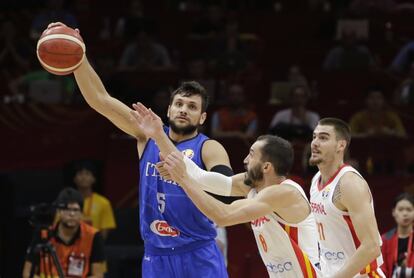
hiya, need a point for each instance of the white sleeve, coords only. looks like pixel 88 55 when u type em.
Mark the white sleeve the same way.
pixel 212 182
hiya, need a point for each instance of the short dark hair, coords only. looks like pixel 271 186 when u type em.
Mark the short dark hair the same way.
pixel 86 165
pixel 277 151
pixel 67 196
pixel 191 88
pixel 342 130
pixel 403 196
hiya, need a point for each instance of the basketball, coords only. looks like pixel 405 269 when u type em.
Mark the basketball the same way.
pixel 60 50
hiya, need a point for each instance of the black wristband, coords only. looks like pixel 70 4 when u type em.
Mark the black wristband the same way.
pixel 222 169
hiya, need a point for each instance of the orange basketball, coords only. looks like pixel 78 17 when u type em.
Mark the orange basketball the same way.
pixel 60 50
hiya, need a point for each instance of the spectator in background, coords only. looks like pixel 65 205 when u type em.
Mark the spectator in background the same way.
pixel 15 52
pixel 160 102
pixel 197 71
pixel 229 51
pixel 53 12
pixel 296 121
pixel 234 118
pixel 405 57
pixel 129 25
pixel 210 25
pixel 296 77
pixel 349 55
pixel 363 7
pixel 79 247
pixel 97 209
pixel 145 54
pixel 397 244
pixel 404 94
pixel 376 119
pixel 41 86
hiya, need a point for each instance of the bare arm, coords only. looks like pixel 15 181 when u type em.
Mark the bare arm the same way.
pixel 97 270
pixel 98 98
pixel 26 270
pixel 241 211
pixel 356 199
pixel 213 154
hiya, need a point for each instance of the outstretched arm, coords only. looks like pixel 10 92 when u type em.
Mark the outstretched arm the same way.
pixel 356 198
pixel 98 98
pixel 240 211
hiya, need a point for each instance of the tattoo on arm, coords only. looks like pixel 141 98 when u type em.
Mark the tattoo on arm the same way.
pixel 337 194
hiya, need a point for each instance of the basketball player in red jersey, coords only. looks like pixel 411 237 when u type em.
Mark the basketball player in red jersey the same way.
pixel 343 207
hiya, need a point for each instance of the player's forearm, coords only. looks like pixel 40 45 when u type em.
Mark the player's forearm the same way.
pixel 90 85
pixel 212 182
pixel 209 206
pixel 365 254
pixel 164 143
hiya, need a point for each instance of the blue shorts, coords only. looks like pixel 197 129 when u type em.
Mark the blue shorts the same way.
pixel 205 260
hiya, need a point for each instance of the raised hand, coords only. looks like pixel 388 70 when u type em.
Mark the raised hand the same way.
pixel 162 171
pixel 146 120
pixel 55 24
pixel 175 166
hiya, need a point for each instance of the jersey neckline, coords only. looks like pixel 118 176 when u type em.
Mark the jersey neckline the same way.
pixel 322 186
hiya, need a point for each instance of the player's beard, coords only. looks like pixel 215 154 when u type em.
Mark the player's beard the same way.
pixel 315 161
pixel 254 175
pixel 184 130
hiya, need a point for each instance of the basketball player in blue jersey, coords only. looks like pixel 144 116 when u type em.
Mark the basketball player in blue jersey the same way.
pixel 179 240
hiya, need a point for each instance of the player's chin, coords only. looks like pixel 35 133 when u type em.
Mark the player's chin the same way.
pixel 314 161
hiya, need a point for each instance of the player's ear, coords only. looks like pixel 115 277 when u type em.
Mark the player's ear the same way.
pixel 203 118
pixel 168 111
pixel 341 145
pixel 267 166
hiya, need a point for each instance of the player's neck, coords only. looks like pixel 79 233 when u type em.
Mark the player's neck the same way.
pixel 404 231
pixel 269 181
pixel 329 168
pixel 175 137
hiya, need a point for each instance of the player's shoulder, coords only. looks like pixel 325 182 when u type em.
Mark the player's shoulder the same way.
pixel 353 185
pixel 281 190
pixel 213 153
pixel 352 177
pixel 213 146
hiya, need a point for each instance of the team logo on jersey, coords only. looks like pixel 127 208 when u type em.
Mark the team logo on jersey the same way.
pixel 325 193
pixel 188 153
pixel 260 221
pixel 162 228
pixel 279 267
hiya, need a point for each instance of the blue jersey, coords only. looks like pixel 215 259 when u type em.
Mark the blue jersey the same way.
pixel 168 218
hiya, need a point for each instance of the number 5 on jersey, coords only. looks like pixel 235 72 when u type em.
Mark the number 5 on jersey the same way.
pixel 161 201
